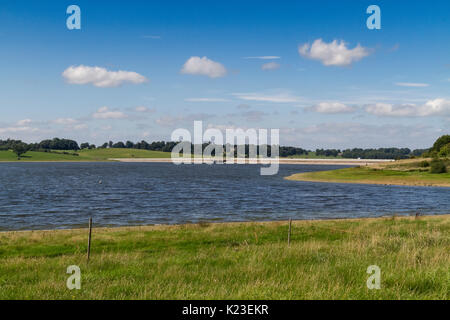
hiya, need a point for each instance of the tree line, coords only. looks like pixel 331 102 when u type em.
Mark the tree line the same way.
pixel 49 145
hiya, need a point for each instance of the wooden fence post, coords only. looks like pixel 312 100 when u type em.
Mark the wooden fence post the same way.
pixel 89 239
pixel 289 233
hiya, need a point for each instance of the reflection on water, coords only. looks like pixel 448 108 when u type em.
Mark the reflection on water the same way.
pixel 63 195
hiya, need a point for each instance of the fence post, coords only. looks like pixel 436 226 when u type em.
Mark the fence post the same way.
pixel 289 233
pixel 89 239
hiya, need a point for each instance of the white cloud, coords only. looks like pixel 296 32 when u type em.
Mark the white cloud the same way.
pixel 24 122
pixel 203 66
pixel 277 98
pixel 334 53
pixel 436 107
pixel 105 113
pixel 65 121
pixel 270 66
pixel 264 57
pixel 331 107
pixel 205 100
pixel 143 109
pixel 100 77
pixel 19 129
pixel 412 84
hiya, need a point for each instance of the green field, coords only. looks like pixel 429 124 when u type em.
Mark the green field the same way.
pixel 326 260
pixel 84 155
pixel 400 173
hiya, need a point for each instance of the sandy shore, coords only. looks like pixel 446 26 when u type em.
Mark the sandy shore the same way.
pixel 343 162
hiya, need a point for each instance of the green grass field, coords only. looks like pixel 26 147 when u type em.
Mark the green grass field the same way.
pixel 84 155
pixel 326 260
pixel 388 174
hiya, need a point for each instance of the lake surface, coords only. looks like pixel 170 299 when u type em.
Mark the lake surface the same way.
pixel 64 195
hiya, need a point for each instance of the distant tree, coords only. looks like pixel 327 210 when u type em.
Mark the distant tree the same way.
pixel 110 144
pixel 58 144
pixel 84 145
pixel 19 149
pixel 442 141
pixel 445 151
pixel 105 145
pixel 118 145
pixel 129 144
pixel 92 146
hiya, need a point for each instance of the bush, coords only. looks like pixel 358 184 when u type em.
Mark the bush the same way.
pixel 438 166
pixel 424 164
pixel 445 151
pixel 442 141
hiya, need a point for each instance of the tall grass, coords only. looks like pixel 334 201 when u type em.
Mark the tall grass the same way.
pixel 326 260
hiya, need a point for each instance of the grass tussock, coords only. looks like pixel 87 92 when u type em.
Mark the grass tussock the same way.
pixel 326 260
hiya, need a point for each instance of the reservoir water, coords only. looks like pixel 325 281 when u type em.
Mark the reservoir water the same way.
pixel 65 195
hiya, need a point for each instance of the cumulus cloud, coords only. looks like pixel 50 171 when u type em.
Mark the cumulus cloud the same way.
pixel 270 66
pixel 331 107
pixel 436 107
pixel 105 113
pixel 100 77
pixel 334 53
pixel 204 67
pixel 277 98
pixel 412 84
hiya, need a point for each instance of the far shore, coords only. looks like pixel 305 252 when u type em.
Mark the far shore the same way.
pixel 334 162
pixel 399 173
pixel 343 162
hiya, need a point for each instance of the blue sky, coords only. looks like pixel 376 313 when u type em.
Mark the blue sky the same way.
pixel 310 68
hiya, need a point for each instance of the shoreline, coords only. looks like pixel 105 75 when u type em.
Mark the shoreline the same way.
pixel 344 162
pixel 383 183
pixel 307 161
pixel 399 174
pixel 228 223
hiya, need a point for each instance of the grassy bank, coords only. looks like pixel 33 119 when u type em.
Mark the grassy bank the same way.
pixel 326 260
pixel 84 155
pixel 406 172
